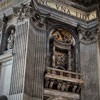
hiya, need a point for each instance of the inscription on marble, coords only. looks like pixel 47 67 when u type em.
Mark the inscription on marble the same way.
pixel 63 7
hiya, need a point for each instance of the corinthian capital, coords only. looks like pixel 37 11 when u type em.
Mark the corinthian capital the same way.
pixel 87 35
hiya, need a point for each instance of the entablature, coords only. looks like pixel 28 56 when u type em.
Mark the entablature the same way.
pixel 58 11
pixel 69 14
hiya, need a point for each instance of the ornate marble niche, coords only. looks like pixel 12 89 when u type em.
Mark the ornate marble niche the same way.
pixel 62 50
pixel 61 77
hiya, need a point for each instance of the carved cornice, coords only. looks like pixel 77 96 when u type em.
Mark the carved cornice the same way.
pixel 87 36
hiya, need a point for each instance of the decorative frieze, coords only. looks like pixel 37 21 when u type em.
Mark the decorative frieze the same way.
pixel 62 6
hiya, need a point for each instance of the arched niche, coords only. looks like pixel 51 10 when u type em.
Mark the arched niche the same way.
pixel 9 37
pixel 62 49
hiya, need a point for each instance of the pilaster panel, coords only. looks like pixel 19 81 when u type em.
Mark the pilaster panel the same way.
pixel 19 60
pixel 89 64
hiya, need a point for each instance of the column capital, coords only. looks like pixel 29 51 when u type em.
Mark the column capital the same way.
pixel 87 35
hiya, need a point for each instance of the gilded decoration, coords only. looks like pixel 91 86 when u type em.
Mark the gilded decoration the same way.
pixel 63 36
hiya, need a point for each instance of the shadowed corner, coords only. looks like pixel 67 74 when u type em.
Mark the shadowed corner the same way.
pixel 3 97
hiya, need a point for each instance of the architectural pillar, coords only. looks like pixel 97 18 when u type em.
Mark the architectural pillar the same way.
pixel 69 61
pixel 35 63
pixel 53 57
pixel 89 63
pixel 19 60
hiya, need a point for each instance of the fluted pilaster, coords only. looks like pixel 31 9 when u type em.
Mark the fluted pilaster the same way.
pixel 89 63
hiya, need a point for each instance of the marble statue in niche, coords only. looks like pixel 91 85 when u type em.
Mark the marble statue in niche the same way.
pixel 10 40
